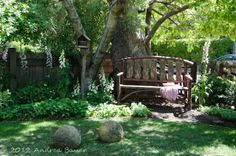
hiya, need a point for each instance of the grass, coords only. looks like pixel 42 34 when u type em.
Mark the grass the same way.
pixel 142 137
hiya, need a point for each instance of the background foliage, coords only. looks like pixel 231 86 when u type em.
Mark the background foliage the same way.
pixel 183 49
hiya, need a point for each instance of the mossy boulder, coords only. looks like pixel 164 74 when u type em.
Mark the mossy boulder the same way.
pixel 67 137
pixel 110 131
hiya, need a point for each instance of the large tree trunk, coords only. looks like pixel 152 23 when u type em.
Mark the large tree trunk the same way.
pixel 124 37
pixel 126 43
pixel 117 8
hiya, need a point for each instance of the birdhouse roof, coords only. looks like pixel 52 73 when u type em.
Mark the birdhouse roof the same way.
pixel 84 37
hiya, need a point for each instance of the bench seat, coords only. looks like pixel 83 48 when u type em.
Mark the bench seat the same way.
pixel 152 87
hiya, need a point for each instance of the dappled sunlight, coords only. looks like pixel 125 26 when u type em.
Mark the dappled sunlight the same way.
pixel 31 126
pixel 219 149
pixel 142 137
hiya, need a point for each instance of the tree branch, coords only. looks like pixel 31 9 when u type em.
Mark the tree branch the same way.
pixel 117 7
pixel 74 17
pixel 148 19
pixel 159 1
pixel 163 19
pixel 170 19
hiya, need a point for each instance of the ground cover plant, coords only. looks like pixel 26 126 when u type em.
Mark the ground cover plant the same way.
pixel 141 137
pixel 5 99
pixel 108 110
pixel 58 108
pixel 34 93
pixel 114 110
pixel 226 114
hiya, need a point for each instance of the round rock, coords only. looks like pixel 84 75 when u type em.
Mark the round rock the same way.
pixel 110 131
pixel 67 137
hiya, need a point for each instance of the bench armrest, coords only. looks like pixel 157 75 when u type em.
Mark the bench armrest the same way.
pixel 120 78
pixel 119 74
pixel 188 77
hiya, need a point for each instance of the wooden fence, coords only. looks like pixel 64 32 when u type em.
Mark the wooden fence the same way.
pixel 37 71
pixel 223 68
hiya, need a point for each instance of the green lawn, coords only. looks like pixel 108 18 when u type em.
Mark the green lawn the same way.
pixel 142 137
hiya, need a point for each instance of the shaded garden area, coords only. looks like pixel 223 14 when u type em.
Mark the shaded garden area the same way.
pixel 142 137
pixel 163 70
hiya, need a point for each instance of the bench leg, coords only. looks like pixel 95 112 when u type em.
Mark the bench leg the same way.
pixel 119 95
pixel 189 100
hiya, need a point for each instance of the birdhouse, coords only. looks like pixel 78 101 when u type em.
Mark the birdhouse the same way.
pixel 83 42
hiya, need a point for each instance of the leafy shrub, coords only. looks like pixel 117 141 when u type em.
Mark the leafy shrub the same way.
pixel 214 90
pixel 226 114
pixel 140 110
pixel 5 99
pixel 33 93
pixel 101 93
pixel 223 91
pixel 201 90
pixel 108 110
pixel 99 97
pixel 49 108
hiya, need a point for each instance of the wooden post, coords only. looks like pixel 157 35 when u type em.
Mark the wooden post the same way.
pixel 12 54
pixel 194 72
pixel 119 90
pixel 82 83
pixel 221 70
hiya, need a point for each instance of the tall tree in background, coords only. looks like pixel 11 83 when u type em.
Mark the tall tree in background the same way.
pixel 130 28
pixel 123 34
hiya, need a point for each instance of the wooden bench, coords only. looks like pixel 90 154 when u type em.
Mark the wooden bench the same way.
pixel 140 74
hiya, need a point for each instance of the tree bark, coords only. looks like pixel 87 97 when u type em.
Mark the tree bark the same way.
pixel 126 43
pixel 117 8
pixel 74 17
pixel 124 38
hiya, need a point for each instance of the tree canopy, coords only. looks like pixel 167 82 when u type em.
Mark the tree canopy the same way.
pixel 46 23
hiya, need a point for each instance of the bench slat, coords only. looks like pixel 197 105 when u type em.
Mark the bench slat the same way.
pixel 129 66
pixel 137 69
pixel 170 70
pixel 162 70
pixel 152 87
pixel 154 81
pixel 153 70
pixel 178 70
pixel 145 69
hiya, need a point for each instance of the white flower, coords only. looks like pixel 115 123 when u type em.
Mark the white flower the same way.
pixel 24 62
pixel 49 59
pixel 5 52
pixel 206 52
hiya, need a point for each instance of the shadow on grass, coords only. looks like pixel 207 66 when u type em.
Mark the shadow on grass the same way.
pixel 142 137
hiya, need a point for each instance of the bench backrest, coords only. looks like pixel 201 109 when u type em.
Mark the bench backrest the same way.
pixel 156 69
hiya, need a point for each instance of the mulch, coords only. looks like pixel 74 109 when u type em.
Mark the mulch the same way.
pixel 177 113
